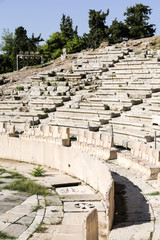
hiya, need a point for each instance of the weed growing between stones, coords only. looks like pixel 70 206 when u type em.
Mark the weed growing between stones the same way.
pixel 28 186
pixel 153 194
pixel 20 88
pixel 37 207
pixel 38 171
pixel 14 175
pixel 40 229
pixel 6 236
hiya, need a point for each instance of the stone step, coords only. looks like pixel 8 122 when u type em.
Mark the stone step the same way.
pixel 123 122
pixel 142 168
pixel 123 137
pixel 88 112
pixel 74 127
pixel 130 89
pixel 81 119
pixel 100 106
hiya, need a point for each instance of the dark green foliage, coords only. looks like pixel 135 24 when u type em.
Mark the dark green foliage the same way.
pixel 7 47
pixel 46 110
pixel 75 45
pixel 5 64
pixel 137 21
pixel 118 32
pixel 20 88
pixel 24 44
pixel 134 26
pixel 13 44
pixel 98 30
pixel 66 27
pixel 53 47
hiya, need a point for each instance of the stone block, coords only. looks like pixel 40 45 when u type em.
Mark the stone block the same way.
pixel 90 227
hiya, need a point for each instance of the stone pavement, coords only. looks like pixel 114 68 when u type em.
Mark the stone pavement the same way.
pixel 137 215
pixel 59 216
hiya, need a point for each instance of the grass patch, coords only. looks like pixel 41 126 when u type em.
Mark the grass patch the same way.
pixel 14 175
pixel 20 88
pixel 36 208
pixel 153 193
pixel 2 170
pixel 40 229
pixel 5 236
pixel 28 186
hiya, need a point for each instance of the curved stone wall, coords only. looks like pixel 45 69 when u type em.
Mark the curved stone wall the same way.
pixel 73 162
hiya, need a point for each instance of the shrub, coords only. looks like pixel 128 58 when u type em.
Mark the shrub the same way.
pixel 38 171
pixel 20 88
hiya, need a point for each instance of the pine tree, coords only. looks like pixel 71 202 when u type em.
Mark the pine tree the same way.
pixel 137 21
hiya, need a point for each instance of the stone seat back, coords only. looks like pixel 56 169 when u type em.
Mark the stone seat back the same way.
pixel 146 153
pixel 95 143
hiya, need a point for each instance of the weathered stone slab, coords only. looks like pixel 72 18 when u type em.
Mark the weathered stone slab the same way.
pixel 64 180
pixel 53 215
pixel 27 220
pixel 83 206
pixel 3 225
pixel 80 197
pixel 15 230
pixel 53 200
pixel 74 218
pixel 74 190
pixel 90 227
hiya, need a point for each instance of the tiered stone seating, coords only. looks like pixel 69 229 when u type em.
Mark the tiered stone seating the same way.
pixel 85 116
pixel 32 101
pixel 97 144
pixel 7 129
pixel 54 134
pixel 142 159
pixel 98 61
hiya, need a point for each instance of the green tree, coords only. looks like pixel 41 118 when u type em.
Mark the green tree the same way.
pixel 7 48
pixel 137 21
pixel 22 43
pixel 13 44
pixel 33 42
pixel 98 30
pixel 66 27
pixel 75 45
pixel 118 32
pixel 53 47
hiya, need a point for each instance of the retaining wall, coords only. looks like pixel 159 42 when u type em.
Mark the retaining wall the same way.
pixel 71 161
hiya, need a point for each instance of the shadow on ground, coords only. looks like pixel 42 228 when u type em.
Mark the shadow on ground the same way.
pixel 131 208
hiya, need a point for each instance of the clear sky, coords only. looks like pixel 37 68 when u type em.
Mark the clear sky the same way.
pixel 39 16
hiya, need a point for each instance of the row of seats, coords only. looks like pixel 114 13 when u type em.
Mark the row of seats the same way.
pixel 97 144
pixel 142 159
pixel 7 129
pixel 145 152
pixel 54 134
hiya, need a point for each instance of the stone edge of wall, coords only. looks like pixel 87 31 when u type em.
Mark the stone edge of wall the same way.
pixel 71 161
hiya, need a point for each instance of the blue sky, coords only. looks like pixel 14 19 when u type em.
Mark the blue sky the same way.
pixel 39 16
